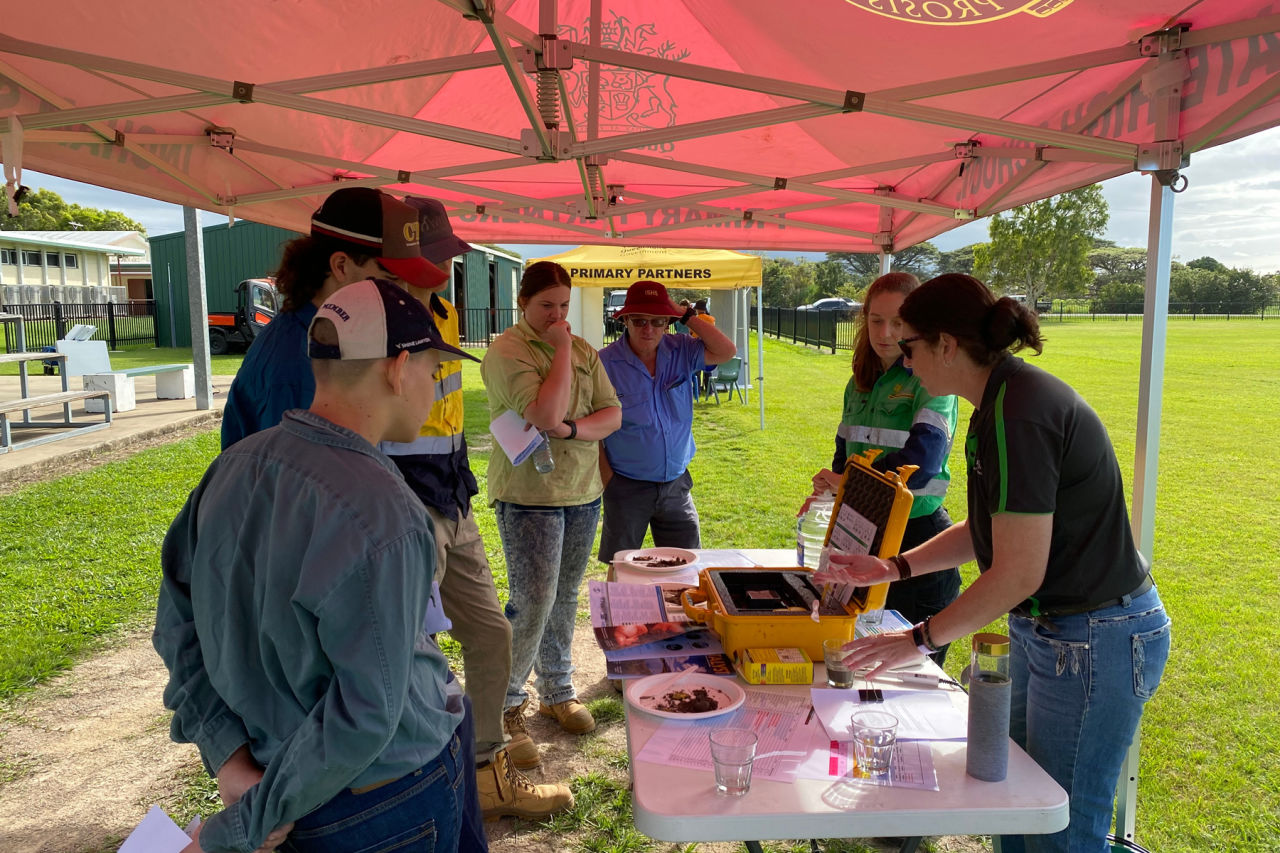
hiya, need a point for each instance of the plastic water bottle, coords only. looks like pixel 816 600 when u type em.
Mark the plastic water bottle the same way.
pixel 543 461
pixel 811 530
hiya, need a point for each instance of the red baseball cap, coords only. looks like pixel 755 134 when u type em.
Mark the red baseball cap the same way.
pixel 381 225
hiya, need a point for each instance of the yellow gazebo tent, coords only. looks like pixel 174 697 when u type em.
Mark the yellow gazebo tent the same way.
pixel 595 269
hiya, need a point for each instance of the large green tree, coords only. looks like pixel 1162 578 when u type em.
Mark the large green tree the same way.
pixel 921 260
pixel 957 260
pixel 787 282
pixel 1041 249
pixel 45 210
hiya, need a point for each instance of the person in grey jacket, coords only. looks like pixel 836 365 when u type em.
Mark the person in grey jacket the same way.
pixel 291 609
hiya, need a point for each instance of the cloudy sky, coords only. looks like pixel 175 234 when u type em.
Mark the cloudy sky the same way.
pixel 1230 211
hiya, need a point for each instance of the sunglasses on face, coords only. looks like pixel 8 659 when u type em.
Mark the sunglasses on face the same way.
pixel 905 344
pixel 656 322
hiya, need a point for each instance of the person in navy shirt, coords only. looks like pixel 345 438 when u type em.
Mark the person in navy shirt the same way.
pixel 645 464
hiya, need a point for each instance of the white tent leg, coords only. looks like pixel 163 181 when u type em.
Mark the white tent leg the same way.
pixel 760 348
pixel 1147 445
pixel 198 303
pixel 886 261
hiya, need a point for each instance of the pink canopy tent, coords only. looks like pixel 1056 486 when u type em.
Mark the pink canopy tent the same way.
pixel 853 125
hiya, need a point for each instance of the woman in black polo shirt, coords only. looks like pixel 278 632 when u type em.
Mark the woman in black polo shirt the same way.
pixel 1048 527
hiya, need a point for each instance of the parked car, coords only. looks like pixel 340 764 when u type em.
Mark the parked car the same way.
pixel 1043 305
pixel 615 300
pixel 844 308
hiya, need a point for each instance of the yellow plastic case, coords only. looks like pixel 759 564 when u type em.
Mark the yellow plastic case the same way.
pixel 789 628
pixel 882 499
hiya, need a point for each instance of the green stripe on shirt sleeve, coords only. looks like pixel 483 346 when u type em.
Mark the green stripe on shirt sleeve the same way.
pixel 1001 450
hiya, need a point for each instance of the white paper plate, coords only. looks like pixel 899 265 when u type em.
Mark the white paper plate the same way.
pixel 728 694
pixel 640 559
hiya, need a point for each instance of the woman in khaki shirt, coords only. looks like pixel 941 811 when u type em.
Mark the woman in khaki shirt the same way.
pixel 547 522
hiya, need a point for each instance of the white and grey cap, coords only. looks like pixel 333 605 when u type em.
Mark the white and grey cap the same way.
pixel 376 319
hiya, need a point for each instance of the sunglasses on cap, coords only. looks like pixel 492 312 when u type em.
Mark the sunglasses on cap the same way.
pixel 656 322
pixel 905 344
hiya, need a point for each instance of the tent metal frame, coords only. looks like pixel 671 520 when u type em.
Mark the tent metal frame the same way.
pixel 516 49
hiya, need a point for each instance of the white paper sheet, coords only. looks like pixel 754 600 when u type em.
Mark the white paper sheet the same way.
pixel 922 714
pixel 777 718
pixel 509 430
pixel 911 766
pixel 157 833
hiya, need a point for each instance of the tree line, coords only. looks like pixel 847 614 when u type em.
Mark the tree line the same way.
pixel 1043 251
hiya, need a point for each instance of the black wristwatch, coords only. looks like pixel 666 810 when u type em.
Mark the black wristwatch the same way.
pixel 688 315
pixel 573 429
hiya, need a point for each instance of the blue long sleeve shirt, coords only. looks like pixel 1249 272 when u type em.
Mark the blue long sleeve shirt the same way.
pixel 655 442
pixel 274 377
pixel 290 617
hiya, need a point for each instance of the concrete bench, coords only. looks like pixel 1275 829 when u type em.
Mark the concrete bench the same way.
pixel 173 382
pixel 66 426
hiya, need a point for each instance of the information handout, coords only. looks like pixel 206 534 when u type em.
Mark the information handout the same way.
pixel 624 614
pixel 639 668
pixel 777 718
pixel 697 642
pixel 922 714
pixel 157 833
pixel 516 436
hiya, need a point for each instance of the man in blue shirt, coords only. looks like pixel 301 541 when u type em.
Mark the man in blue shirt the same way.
pixel 645 464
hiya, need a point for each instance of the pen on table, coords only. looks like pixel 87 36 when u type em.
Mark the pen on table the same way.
pixel 809 718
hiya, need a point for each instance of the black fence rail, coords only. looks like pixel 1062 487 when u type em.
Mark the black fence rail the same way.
pixel 1066 310
pixel 828 330
pixel 123 325
pixel 477 327
pixel 823 329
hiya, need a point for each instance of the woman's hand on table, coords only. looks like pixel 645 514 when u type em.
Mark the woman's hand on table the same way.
pixel 856 569
pixel 881 652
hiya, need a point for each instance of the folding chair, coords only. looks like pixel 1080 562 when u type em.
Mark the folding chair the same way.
pixel 726 377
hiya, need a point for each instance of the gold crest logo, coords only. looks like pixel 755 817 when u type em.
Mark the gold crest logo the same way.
pixel 958 12
pixel 411 233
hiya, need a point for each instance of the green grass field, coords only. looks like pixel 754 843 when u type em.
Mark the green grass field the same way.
pixel 79 556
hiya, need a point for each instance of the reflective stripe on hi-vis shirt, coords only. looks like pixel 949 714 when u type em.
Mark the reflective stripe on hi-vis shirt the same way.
pixel 446 386
pixel 937 420
pixel 935 488
pixel 423 445
pixel 878 436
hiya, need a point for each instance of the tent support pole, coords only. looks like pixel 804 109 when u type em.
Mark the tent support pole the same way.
pixel 193 238
pixel 760 348
pixel 886 261
pixel 1155 322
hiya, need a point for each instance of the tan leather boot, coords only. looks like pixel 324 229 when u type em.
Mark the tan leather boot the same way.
pixel 523 751
pixel 505 791
pixel 572 715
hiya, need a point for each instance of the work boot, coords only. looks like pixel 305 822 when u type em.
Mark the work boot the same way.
pixel 572 715
pixel 505 791
pixel 523 751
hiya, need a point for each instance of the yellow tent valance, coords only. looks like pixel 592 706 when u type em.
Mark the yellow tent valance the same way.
pixel 619 267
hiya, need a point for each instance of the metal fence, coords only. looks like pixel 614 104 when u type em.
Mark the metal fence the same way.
pixel 828 330
pixel 1067 310
pixel 477 327
pixel 123 325
pixel 824 329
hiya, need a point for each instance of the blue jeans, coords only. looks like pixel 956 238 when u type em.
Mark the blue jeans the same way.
pixel 1078 692
pixel 547 548
pixel 417 813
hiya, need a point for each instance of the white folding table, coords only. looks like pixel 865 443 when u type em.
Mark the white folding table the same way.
pixel 681 804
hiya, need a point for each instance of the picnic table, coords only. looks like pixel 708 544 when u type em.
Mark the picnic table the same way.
pixel 25 402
